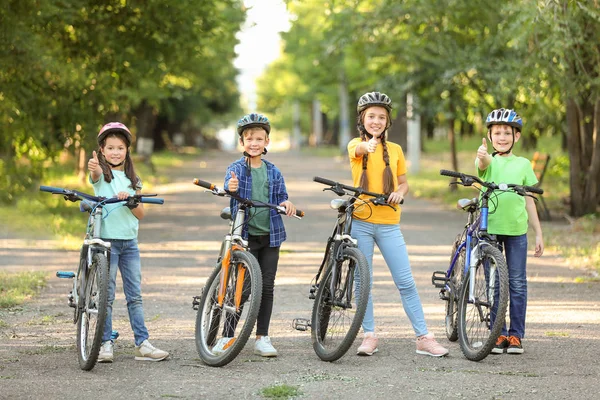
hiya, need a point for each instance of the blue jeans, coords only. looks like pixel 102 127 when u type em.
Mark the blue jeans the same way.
pixel 515 252
pixel 125 256
pixel 391 243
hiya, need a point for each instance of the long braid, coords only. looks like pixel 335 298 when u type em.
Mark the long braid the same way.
pixel 388 176
pixel 364 135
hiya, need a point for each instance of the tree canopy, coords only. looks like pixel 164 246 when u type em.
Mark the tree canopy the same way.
pixel 462 60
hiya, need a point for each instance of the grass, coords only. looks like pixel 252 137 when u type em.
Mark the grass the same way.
pixel 280 392
pixel 16 288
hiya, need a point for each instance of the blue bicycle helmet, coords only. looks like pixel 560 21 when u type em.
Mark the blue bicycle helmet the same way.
pixel 253 120
pixel 504 116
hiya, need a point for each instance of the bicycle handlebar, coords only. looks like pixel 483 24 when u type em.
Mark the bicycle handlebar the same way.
pixel 468 180
pixel 222 192
pixel 75 195
pixel 339 187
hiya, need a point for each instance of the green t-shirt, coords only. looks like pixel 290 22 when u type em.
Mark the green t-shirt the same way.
pixel 507 212
pixel 259 217
pixel 118 221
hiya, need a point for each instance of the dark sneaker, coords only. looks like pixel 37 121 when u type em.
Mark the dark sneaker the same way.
pixel 514 346
pixel 501 345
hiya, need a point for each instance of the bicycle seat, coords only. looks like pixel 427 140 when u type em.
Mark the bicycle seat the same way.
pixel 467 204
pixel 226 213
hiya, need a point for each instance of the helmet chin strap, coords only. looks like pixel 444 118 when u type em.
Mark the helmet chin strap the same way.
pixel 249 157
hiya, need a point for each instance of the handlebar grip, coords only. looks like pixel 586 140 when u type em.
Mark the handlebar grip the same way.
pixel 324 181
pixel 204 184
pixel 152 200
pixel 299 213
pixel 453 174
pixel 533 189
pixel 51 189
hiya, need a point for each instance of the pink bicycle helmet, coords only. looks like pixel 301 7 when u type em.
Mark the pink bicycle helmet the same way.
pixel 115 127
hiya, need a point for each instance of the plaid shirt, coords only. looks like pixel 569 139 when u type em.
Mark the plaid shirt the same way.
pixel 277 195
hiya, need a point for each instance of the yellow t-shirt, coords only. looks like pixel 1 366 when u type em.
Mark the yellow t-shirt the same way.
pixel 375 166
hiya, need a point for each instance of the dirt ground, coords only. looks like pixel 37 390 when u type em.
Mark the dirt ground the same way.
pixel 179 242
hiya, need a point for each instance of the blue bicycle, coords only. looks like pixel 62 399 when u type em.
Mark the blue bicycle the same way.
pixel 89 295
pixel 475 286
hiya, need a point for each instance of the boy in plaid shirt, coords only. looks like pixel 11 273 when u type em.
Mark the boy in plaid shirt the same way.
pixel 258 179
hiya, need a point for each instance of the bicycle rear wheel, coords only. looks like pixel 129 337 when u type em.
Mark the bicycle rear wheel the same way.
pixel 223 327
pixel 92 315
pixel 476 331
pixel 335 319
pixel 454 293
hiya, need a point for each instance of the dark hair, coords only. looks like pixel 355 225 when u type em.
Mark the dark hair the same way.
pixel 388 176
pixel 136 182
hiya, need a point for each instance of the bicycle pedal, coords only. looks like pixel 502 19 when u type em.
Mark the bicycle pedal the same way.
pixel 439 279
pixel 65 274
pixel 301 324
pixel 70 299
pixel 114 335
pixel 196 302
pixel 443 295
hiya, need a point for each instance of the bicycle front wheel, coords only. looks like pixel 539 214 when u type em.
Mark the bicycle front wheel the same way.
pixel 92 315
pixel 477 328
pixel 228 309
pixel 340 305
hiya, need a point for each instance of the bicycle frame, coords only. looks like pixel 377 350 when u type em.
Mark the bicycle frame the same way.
pixel 339 239
pixel 233 240
pixel 476 229
pixel 92 244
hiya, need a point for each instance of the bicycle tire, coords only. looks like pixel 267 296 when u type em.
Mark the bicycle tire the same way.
pixel 477 335
pixel 212 320
pixel 334 327
pixel 92 316
pixel 454 283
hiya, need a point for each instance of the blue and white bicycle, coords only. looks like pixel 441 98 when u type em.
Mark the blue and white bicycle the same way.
pixel 475 285
pixel 89 296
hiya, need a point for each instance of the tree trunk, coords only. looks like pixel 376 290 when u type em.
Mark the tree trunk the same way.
pixel 452 140
pixel 584 154
pixel 146 119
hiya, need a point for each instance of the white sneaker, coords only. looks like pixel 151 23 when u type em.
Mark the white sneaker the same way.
pixel 106 352
pixel 222 344
pixel 147 352
pixel 263 347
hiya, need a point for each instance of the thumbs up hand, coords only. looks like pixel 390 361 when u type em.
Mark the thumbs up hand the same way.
pixel 94 165
pixel 372 145
pixel 482 152
pixel 233 182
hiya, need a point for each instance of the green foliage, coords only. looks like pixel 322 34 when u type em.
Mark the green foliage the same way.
pixel 67 67
pixel 16 288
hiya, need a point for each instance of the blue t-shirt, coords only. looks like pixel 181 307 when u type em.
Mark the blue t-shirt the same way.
pixel 118 222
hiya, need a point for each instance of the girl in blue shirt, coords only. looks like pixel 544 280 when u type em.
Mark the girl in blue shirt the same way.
pixel 112 175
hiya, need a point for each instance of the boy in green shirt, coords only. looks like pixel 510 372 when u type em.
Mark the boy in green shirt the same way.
pixel 509 216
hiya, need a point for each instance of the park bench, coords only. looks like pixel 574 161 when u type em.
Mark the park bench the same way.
pixel 539 163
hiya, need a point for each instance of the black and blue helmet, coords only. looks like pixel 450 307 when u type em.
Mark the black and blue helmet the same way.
pixel 253 120
pixel 504 116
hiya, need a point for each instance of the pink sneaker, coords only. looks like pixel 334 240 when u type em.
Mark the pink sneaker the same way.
pixel 427 345
pixel 368 346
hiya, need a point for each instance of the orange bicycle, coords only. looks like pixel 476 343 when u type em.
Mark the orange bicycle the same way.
pixel 230 300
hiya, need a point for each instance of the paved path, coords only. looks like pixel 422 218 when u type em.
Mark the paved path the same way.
pixel 179 242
